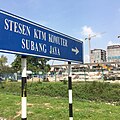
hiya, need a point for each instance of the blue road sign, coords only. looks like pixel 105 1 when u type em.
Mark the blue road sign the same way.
pixel 21 36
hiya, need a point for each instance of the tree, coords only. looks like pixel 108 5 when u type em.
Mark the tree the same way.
pixel 16 65
pixel 3 60
pixel 34 64
pixel 4 69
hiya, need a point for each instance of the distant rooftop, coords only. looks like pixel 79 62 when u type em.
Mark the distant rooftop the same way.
pixel 113 46
pixel 98 49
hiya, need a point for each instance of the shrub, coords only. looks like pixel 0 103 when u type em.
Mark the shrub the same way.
pixel 96 91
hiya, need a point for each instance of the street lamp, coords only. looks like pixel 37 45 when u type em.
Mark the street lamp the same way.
pixel 118 36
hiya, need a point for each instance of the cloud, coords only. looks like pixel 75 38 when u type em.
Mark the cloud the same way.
pixel 112 43
pixel 86 31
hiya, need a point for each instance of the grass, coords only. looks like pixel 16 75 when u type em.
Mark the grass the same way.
pixel 49 101
pixel 56 108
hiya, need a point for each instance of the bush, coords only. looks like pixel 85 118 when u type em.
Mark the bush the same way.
pixel 96 91
pixel 64 81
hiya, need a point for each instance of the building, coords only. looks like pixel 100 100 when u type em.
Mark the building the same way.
pixel 113 53
pixel 98 56
pixel 87 71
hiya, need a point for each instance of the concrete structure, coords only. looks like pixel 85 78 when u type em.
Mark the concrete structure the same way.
pixel 88 71
pixel 98 56
pixel 113 53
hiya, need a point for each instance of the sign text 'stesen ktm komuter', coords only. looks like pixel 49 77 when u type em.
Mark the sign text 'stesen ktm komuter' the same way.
pixel 21 36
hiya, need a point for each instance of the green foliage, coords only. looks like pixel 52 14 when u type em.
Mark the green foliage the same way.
pixel 10 87
pixel 3 60
pixel 4 69
pixel 94 91
pixel 16 65
pixel 49 89
pixel 34 64
pixel 64 81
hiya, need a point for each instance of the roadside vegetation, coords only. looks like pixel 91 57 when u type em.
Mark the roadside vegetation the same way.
pixel 94 91
pixel 49 101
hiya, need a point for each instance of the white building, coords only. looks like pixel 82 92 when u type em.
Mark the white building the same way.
pixel 98 56
pixel 113 53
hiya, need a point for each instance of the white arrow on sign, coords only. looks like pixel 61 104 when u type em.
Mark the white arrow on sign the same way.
pixel 75 50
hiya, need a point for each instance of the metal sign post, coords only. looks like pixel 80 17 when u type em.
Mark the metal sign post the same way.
pixel 70 91
pixel 24 87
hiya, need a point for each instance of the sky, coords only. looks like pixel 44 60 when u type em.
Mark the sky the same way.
pixel 76 18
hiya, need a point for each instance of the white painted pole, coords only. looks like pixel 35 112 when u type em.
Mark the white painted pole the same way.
pixel 70 91
pixel 24 87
